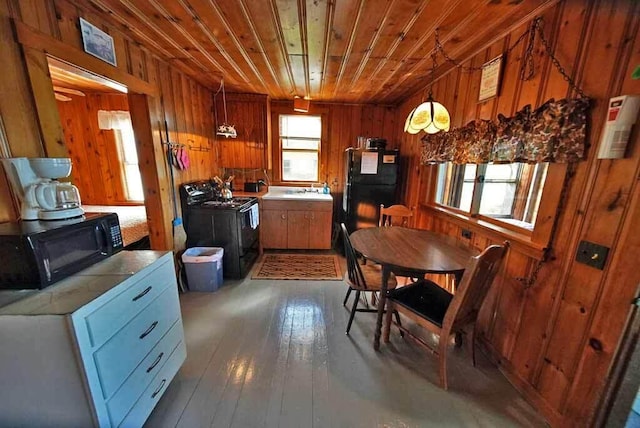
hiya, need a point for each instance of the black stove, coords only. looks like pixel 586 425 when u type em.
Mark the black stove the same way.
pixel 235 203
pixel 210 221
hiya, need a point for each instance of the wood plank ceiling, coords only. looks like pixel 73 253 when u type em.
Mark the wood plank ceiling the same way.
pixel 373 51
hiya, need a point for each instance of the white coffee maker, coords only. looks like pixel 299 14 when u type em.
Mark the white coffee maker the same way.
pixel 41 195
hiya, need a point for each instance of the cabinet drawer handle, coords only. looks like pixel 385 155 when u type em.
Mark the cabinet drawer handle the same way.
pixel 149 330
pixel 156 362
pixel 284 217
pixel 141 295
pixel 157 391
pixel 313 216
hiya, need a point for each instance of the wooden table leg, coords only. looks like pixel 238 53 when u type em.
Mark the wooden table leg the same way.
pixel 382 303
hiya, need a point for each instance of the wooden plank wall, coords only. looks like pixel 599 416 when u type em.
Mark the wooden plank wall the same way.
pixel 249 151
pixel 93 151
pixel 183 103
pixel 555 340
pixel 346 122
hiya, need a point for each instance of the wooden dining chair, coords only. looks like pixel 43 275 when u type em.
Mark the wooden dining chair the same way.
pixel 387 215
pixel 362 279
pixel 447 314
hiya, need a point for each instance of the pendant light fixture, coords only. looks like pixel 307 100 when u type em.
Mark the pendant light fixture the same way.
pixel 430 116
pixel 224 130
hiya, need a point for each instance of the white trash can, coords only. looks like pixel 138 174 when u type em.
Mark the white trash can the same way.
pixel 204 268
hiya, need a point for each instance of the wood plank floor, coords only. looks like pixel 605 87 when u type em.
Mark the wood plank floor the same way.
pixel 264 353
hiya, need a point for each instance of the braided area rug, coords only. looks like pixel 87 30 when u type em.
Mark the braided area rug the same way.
pixel 298 266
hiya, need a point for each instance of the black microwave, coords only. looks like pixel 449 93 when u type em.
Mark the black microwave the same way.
pixel 36 254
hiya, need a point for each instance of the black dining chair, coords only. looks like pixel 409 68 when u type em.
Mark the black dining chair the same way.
pixel 362 279
pixel 443 313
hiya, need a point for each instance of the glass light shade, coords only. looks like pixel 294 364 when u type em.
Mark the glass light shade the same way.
pixel 430 116
pixel 407 125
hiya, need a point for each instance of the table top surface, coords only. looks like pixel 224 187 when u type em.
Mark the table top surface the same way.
pixel 411 249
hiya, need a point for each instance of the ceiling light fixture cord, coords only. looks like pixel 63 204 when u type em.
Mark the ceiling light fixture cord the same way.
pixel 215 105
pixel 224 102
pixel 434 65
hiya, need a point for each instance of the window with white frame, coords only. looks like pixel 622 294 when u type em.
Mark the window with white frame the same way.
pixel 300 146
pixel 504 192
pixel 128 154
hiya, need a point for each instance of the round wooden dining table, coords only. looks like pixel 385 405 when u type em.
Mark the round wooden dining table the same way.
pixel 401 249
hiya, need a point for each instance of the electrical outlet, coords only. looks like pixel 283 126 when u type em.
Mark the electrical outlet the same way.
pixel 466 233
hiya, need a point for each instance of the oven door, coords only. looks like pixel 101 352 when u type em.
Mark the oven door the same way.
pixel 64 251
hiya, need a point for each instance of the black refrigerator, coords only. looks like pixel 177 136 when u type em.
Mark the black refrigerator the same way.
pixel 371 177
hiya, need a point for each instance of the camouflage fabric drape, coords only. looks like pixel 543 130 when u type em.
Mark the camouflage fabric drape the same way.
pixel 554 132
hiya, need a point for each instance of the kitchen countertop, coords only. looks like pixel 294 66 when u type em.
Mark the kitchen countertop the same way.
pixel 68 295
pixel 288 193
pixel 243 194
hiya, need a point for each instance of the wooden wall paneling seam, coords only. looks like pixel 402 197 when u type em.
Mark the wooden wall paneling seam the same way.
pixel 571 231
pixel 153 171
pixel 40 41
pixel 155 23
pixel 552 38
pixel 45 103
pixel 37 15
pixel 606 318
pixel 588 340
pixel 615 85
pixel 465 50
pixel 116 18
pixel 304 43
pixel 188 34
pixel 282 44
pixel 472 40
pixel 327 38
pixel 221 19
pixel 577 226
pixel 373 40
pixel 426 35
pixel 262 48
pixel 404 31
pixel 349 47
pixel 67 22
pixel 552 416
pixel 529 352
pixel 16 104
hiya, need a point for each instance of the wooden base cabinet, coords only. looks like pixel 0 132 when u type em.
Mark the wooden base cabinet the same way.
pixel 296 225
pixel 96 349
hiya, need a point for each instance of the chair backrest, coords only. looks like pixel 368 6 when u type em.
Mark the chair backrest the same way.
pixel 354 272
pixel 394 211
pixel 476 282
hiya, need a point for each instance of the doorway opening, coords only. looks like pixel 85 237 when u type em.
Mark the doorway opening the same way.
pixel 99 135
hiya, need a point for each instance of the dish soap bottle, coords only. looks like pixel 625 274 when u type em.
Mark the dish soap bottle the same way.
pixel 325 188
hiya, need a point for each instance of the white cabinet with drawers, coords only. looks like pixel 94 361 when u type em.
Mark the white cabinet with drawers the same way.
pixel 97 349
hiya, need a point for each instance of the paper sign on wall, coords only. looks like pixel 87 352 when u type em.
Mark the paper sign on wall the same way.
pixel 369 163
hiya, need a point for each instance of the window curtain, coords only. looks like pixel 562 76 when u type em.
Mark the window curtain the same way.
pixel 554 132
pixel 114 119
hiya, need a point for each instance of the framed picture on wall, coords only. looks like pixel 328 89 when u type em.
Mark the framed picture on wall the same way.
pixel 490 79
pixel 97 43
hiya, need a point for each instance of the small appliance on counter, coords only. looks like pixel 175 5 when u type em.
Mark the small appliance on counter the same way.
pixel 36 254
pixel 253 186
pixel 42 196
